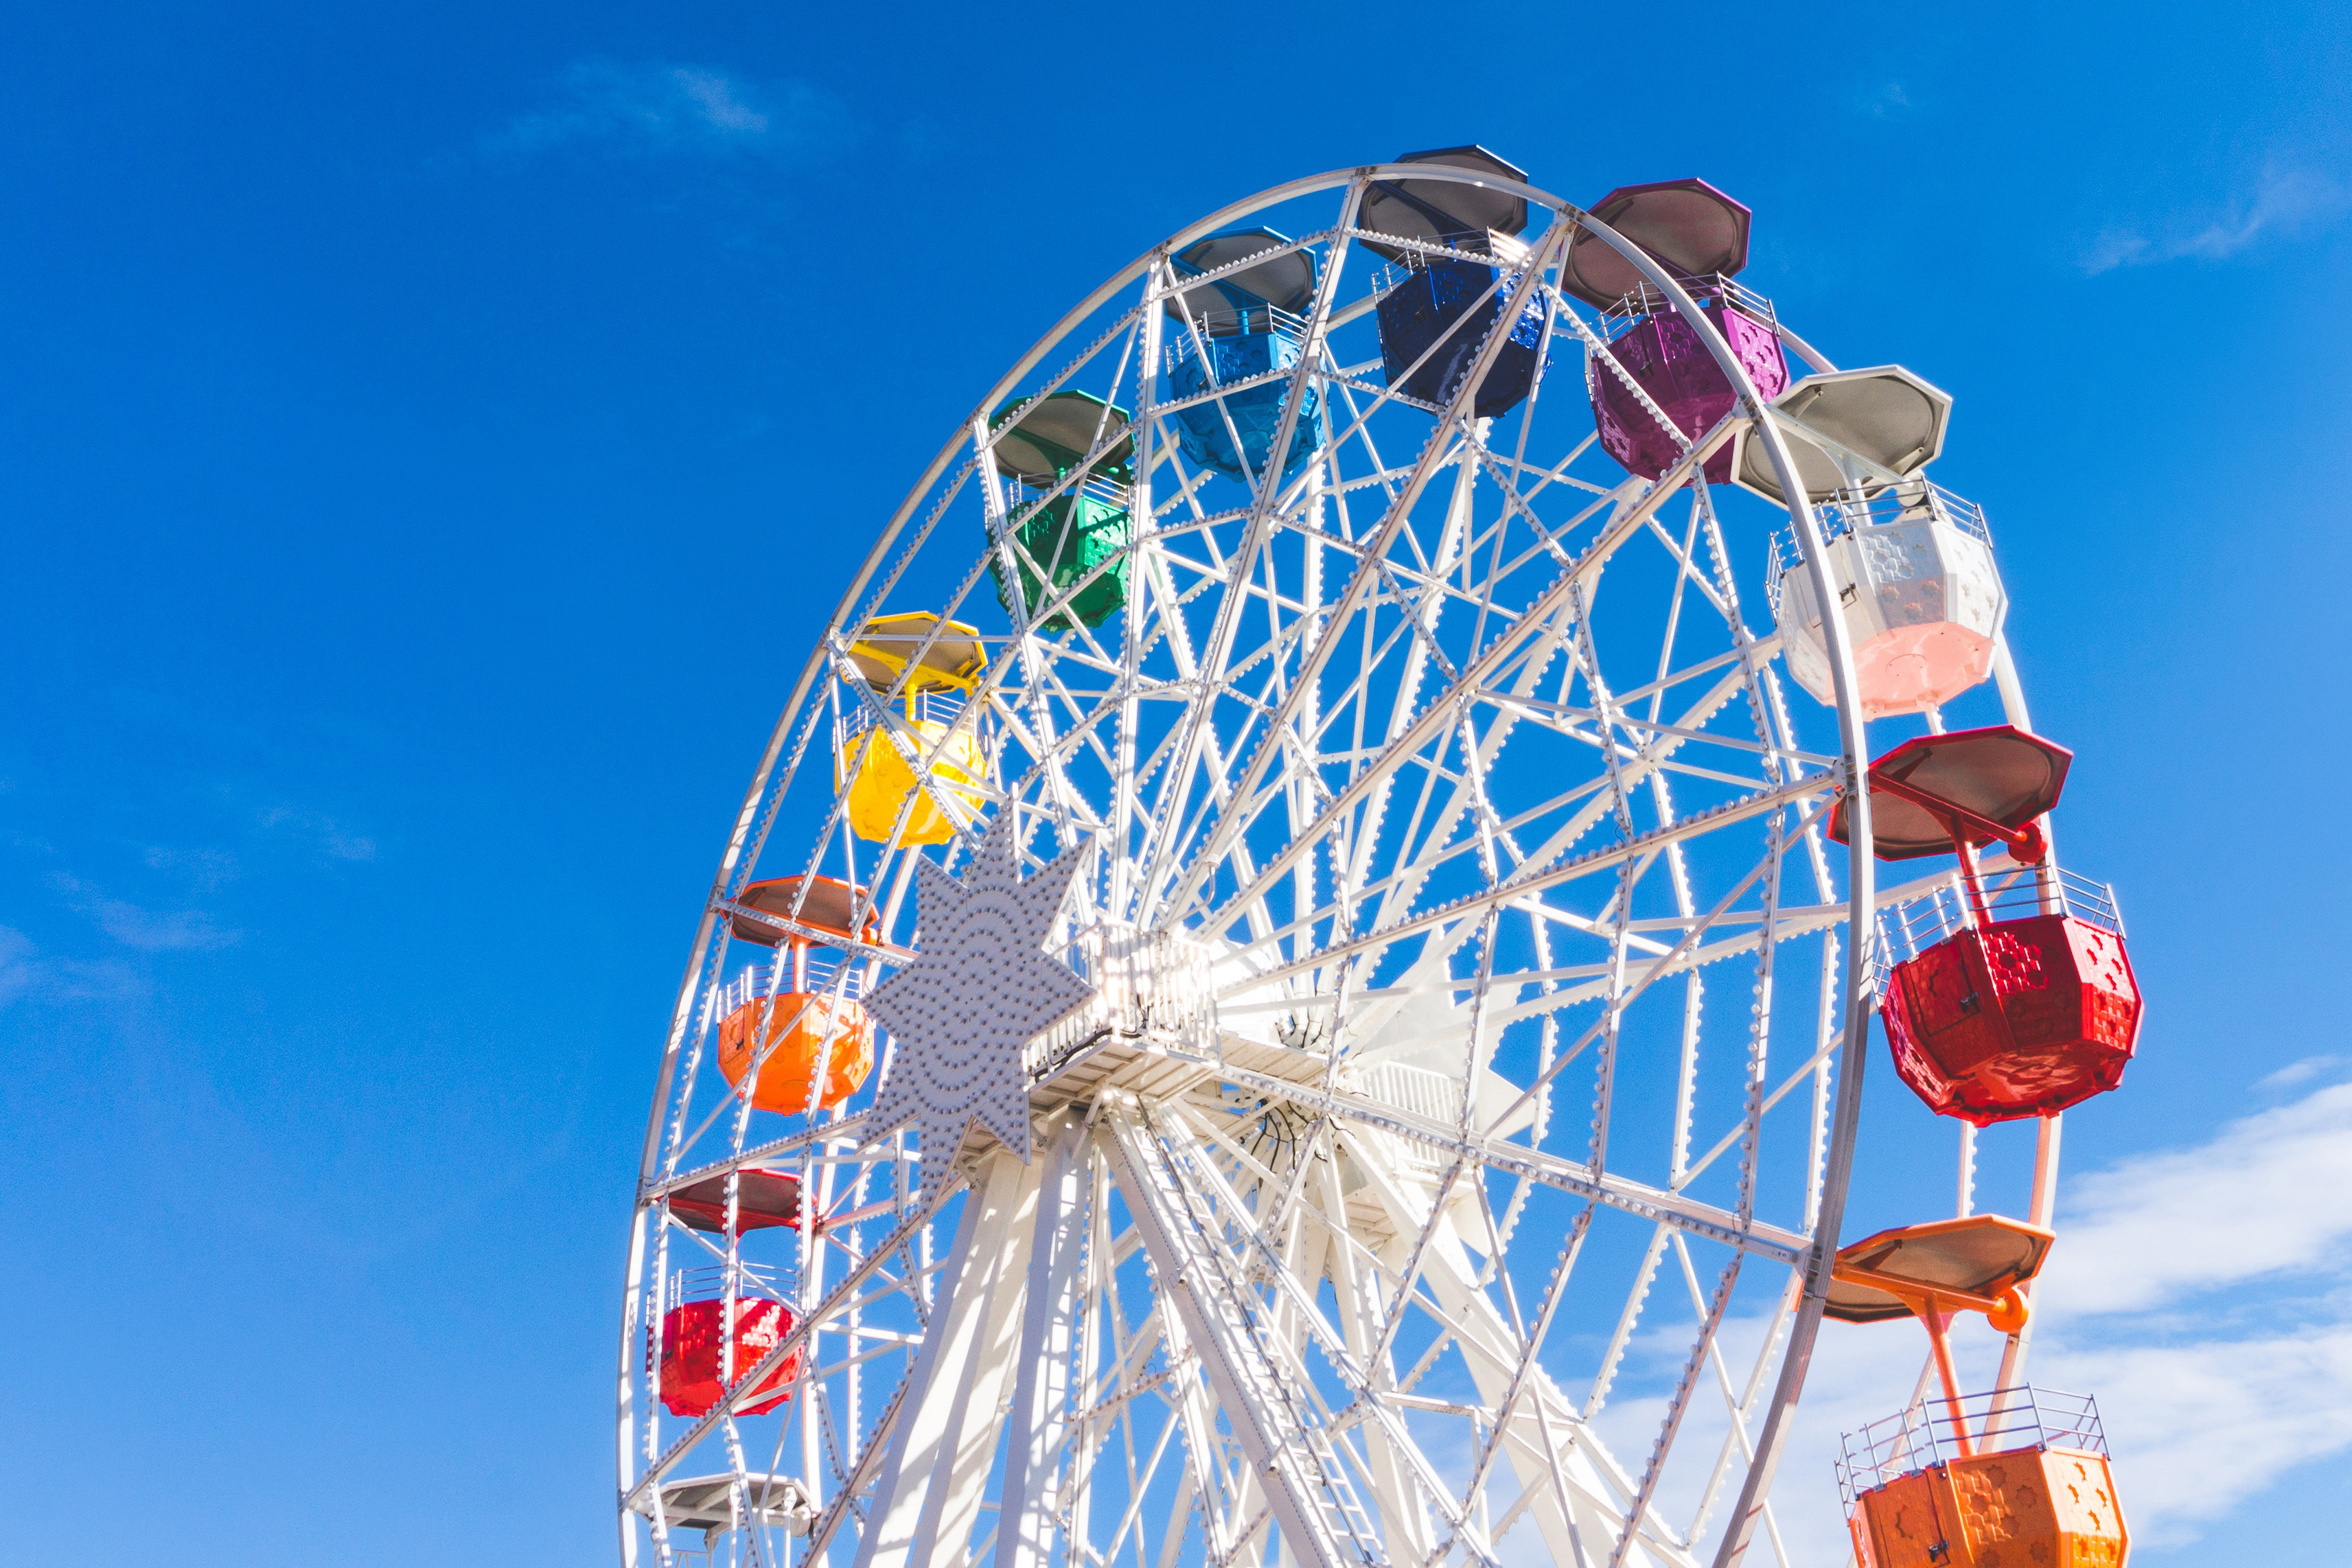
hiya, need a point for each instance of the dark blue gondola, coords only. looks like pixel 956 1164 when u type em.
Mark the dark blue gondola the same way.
pixel 1248 323
pixel 1448 304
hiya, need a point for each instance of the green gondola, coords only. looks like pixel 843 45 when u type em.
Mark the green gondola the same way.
pixel 1081 536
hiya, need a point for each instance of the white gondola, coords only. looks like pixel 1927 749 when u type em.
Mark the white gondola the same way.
pixel 1922 602
pixel 1912 563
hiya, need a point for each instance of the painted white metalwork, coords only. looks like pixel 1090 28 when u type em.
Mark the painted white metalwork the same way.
pixel 979 991
pixel 1327 1024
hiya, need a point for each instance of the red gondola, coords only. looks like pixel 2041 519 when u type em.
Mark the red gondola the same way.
pixel 691 1364
pixel 2002 1018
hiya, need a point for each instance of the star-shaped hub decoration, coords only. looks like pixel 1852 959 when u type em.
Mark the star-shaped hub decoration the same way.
pixel 980 989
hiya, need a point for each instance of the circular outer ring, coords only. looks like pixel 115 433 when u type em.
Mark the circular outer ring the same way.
pixel 1861 956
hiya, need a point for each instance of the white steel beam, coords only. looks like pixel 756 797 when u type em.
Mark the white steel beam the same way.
pixel 1404 1516
pixel 1323 1525
pixel 927 1495
pixel 1551 1450
pixel 1676 1209
pixel 1041 1389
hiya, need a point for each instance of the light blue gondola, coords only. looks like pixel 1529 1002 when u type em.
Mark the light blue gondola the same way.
pixel 1248 323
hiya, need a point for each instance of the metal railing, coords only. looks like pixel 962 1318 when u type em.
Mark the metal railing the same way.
pixel 755 984
pixel 1230 321
pixel 1712 289
pixel 2003 1421
pixel 1781 553
pixel 918 707
pixel 753 1281
pixel 1484 245
pixel 1910 927
pixel 818 977
pixel 1021 498
pixel 1909 500
pixel 1907 928
pixel 929 707
pixel 1150 985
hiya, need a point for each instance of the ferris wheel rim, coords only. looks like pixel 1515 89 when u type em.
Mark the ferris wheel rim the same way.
pixel 1859 883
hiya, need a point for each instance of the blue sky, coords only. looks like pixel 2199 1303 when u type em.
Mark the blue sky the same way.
pixel 414 420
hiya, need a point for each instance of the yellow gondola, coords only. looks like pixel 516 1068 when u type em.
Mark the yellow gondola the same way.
pixel 923 668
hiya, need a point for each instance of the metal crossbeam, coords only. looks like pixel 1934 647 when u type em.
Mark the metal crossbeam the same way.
pixel 1323 1522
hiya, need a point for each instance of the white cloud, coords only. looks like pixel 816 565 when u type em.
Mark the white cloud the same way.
pixel 147 930
pixel 20 967
pixel 718 101
pixel 167 931
pixel 2297 1072
pixel 2197 1429
pixel 331 836
pixel 206 869
pixel 660 108
pixel 2270 1194
pixel 2284 201
pixel 25 973
pixel 1887 98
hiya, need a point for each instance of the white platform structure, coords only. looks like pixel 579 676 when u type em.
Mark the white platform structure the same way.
pixel 1371 1079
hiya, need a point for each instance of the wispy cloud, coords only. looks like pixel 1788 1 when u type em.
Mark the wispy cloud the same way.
pixel 2283 202
pixel 664 108
pixel 1887 98
pixel 2199 1427
pixel 149 930
pixel 2270 1195
pixel 206 870
pixel 25 973
pixel 2299 1072
pixel 336 841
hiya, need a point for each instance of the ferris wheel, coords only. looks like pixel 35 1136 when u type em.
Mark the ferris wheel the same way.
pixel 1288 985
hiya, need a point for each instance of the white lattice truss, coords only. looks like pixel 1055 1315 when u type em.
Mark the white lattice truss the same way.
pixel 1441 1170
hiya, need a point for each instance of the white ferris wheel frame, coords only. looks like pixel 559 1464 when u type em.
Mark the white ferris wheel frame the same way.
pixel 1158 1176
